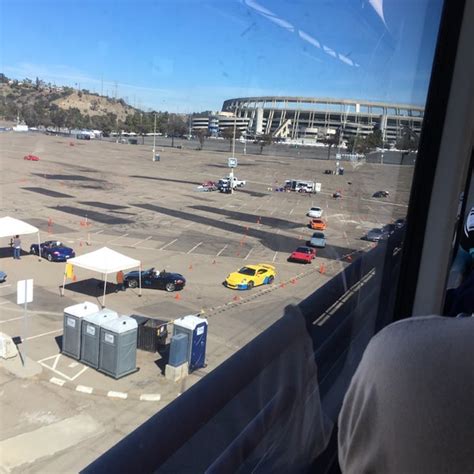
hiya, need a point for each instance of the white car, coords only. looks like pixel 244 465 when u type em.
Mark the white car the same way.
pixel 315 212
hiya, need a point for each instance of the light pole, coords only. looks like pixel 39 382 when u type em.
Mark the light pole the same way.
pixel 154 137
pixel 231 174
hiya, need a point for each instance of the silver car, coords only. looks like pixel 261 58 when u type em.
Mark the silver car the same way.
pixel 3 276
pixel 318 240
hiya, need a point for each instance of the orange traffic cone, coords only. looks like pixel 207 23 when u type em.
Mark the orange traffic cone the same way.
pixel 282 285
pixel 177 297
pixel 74 278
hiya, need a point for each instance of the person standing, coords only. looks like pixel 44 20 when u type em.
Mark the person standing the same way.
pixel 17 247
pixel 120 285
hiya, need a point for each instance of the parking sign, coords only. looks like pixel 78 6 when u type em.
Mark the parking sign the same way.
pixel 232 162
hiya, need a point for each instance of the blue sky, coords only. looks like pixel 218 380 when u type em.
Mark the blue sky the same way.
pixel 191 55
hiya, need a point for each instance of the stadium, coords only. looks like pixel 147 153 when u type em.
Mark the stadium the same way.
pixel 314 118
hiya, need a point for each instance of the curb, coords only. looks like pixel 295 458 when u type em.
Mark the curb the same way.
pixel 112 394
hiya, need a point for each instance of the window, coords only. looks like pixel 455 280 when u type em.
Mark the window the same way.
pixel 353 110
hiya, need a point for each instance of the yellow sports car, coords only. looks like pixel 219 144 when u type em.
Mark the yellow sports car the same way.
pixel 251 275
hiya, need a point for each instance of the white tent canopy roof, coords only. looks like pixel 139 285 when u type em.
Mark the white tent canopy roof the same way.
pixel 10 226
pixel 104 261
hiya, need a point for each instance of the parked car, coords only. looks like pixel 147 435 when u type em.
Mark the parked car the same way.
pixel 380 194
pixel 31 157
pixel 303 254
pixel 318 240
pixel 374 235
pixel 155 279
pixel 53 251
pixel 251 275
pixel 315 212
pixel 389 228
pixel 208 186
pixel 399 223
pixel 317 224
pixel 3 276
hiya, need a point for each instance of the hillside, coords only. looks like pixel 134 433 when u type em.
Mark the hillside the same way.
pixel 32 101
pixel 91 104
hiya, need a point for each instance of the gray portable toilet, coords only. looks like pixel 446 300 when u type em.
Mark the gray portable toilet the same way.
pixel 118 347
pixel 72 327
pixel 91 335
pixel 179 349
pixel 196 329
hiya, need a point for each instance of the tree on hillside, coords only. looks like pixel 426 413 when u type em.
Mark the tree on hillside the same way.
pixel 175 127
pixel 228 134
pixel 264 140
pixel 201 135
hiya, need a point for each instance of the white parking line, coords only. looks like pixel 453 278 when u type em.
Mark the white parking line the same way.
pixel 221 250
pixel 248 255
pixel 188 225
pixel 385 202
pixel 12 319
pixel 4 302
pixel 117 238
pixel 140 241
pixel 4 286
pixel 291 212
pixel 98 232
pixel 194 248
pixel 168 244
pixel 275 256
pixel 41 335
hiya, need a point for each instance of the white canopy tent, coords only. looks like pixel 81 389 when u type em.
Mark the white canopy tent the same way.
pixel 105 261
pixel 10 227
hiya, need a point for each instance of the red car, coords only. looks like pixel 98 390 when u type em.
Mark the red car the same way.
pixel 303 254
pixel 31 157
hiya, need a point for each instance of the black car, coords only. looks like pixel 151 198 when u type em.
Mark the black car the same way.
pixel 389 228
pixel 375 235
pixel 399 223
pixel 154 279
pixel 380 194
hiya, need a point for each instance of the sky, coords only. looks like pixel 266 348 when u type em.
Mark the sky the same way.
pixel 190 55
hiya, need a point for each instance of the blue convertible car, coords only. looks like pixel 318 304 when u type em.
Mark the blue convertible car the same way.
pixel 54 251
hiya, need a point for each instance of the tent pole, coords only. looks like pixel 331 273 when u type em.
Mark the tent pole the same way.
pixel 64 281
pixel 105 289
pixel 39 247
pixel 140 279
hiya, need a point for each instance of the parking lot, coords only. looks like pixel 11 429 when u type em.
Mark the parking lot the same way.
pixel 94 194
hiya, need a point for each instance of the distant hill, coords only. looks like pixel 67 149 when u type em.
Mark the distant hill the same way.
pixel 25 97
pixel 39 104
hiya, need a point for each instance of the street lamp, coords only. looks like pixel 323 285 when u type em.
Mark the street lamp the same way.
pixel 154 138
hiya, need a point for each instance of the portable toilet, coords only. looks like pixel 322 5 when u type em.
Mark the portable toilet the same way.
pixel 118 347
pixel 72 327
pixel 196 329
pixel 91 335
pixel 179 349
